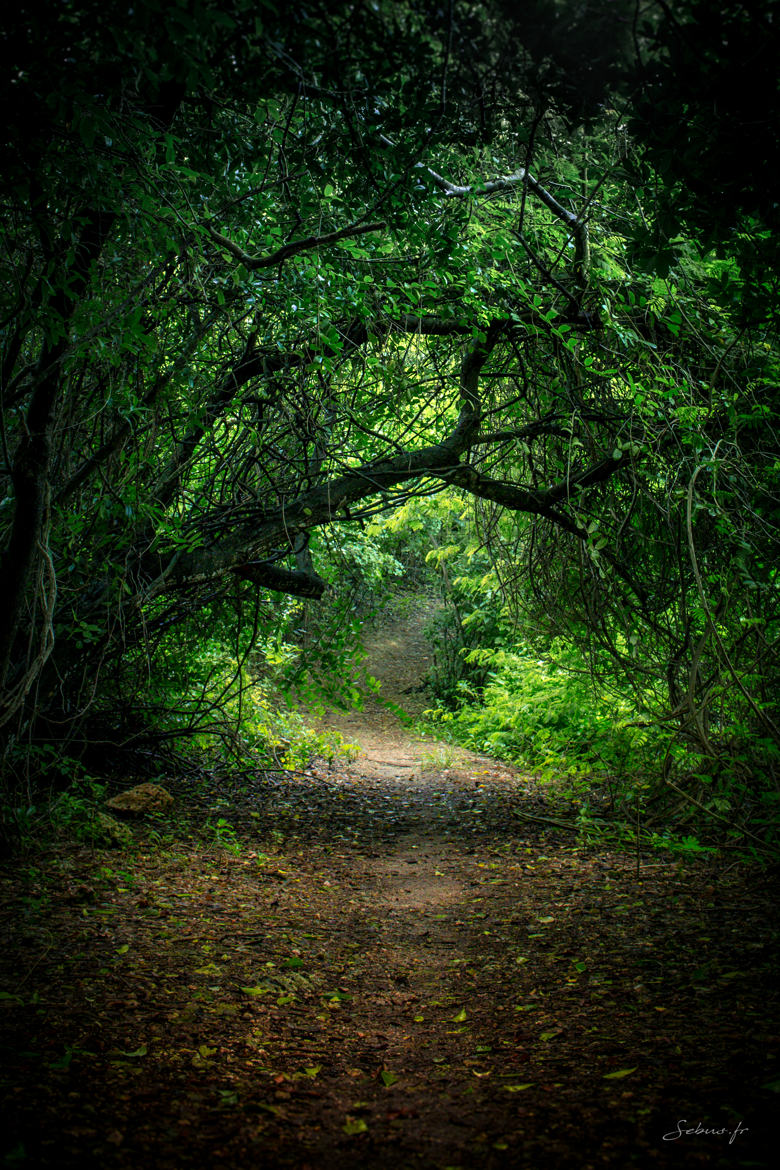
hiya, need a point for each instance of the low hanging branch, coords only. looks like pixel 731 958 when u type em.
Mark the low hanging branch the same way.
pixel 320 504
pixel 309 244
pixel 293 582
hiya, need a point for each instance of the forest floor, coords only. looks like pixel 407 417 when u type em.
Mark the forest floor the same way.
pixel 403 962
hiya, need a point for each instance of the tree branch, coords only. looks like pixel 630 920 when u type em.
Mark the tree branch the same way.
pixel 309 244
pixel 293 582
pixel 577 226
pixel 532 500
pixel 320 504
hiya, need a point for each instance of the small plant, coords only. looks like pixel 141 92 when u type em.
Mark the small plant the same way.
pixel 77 812
pixel 17 828
pixel 225 836
pixel 437 759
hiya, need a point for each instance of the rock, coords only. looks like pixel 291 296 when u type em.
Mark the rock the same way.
pixel 143 798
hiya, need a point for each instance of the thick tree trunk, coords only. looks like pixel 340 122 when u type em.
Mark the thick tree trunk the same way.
pixel 30 464
pixel 30 469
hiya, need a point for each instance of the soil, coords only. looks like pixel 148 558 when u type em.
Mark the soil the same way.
pixel 411 961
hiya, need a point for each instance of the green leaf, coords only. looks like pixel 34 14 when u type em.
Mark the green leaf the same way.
pixel 518 1088
pixel 355 1125
pixel 259 990
pixel 337 996
pixel 619 1073
pixel 461 1016
pixel 389 1078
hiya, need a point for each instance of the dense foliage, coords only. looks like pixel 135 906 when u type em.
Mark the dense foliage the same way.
pixel 269 277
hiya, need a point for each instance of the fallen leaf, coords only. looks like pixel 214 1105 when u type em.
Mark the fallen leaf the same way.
pixel 355 1125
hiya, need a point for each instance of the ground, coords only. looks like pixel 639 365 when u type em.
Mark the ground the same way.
pixel 411 961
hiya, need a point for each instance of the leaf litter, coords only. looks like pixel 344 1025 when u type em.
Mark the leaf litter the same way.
pixel 393 969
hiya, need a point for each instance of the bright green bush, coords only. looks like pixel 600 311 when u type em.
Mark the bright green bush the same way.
pixel 546 717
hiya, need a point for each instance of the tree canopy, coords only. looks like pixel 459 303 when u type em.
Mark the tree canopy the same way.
pixel 272 271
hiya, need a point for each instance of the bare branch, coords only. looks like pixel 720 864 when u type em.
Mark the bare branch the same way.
pixel 293 582
pixel 523 178
pixel 532 500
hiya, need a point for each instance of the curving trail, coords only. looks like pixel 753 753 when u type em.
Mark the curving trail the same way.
pixel 402 964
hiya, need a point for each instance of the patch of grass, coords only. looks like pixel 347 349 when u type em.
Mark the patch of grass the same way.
pixel 438 758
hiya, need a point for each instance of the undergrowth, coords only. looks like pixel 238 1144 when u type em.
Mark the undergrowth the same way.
pixel 629 779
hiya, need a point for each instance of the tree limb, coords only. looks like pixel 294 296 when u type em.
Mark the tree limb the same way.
pixel 309 244
pixel 320 504
pixel 532 500
pixel 523 177
pixel 294 582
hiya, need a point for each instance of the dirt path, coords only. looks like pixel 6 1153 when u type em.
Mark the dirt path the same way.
pixel 383 965
pixel 398 655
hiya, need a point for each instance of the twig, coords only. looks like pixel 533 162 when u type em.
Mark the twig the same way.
pixel 547 821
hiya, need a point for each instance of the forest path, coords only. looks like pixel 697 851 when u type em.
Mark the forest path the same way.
pixel 384 965
pixel 398 656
